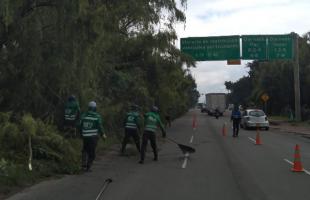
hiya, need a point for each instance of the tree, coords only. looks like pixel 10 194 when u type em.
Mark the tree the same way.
pixel 115 52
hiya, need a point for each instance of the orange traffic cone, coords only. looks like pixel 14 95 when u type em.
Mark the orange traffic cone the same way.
pixel 224 129
pixel 297 162
pixel 258 141
pixel 194 124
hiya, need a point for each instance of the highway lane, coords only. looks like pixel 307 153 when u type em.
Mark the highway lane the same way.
pixel 265 164
pixel 222 168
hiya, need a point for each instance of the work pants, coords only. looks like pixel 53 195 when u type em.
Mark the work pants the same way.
pixel 89 151
pixel 128 134
pixel 236 124
pixel 148 135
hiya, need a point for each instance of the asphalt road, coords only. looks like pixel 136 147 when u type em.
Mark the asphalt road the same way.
pixel 223 168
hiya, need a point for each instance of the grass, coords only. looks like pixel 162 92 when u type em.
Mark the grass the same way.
pixel 279 118
pixel 17 176
pixel 291 122
pixel 303 123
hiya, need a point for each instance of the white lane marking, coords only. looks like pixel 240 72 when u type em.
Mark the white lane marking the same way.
pixel 252 139
pixel 191 140
pixel 306 171
pixel 185 160
pixel 289 161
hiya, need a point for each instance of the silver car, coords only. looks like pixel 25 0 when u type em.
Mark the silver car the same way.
pixel 252 118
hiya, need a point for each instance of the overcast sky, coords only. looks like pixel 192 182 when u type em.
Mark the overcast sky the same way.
pixel 238 17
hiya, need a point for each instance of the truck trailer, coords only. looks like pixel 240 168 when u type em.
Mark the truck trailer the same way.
pixel 215 101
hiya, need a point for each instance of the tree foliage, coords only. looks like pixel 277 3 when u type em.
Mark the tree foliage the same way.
pixel 111 51
pixel 114 52
pixel 48 152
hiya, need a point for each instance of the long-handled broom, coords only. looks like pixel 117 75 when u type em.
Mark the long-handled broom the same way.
pixel 184 148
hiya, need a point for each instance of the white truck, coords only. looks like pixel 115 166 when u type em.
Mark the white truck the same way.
pixel 215 101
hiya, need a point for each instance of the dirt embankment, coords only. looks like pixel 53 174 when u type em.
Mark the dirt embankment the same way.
pixel 302 128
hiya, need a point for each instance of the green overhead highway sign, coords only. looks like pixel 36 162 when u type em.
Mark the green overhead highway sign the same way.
pixel 212 48
pixel 280 47
pixel 254 47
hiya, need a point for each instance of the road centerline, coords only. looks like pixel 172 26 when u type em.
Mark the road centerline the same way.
pixel 191 140
pixel 185 160
pixel 252 139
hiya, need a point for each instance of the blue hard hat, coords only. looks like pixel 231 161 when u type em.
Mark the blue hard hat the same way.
pixel 71 98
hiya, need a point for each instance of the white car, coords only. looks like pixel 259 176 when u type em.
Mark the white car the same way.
pixel 252 118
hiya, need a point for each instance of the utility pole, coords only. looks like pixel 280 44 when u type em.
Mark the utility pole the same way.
pixel 296 78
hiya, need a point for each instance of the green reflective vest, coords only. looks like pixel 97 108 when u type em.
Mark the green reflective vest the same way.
pixel 151 121
pixel 132 120
pixel 72 110
pixel 91 124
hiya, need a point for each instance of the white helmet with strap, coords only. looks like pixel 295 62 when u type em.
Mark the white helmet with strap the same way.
pixel 92 104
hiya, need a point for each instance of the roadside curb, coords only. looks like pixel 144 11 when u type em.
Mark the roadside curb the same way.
pixel 290 131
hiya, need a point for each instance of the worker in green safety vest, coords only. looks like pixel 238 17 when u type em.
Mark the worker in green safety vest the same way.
pixel 90 128
pixel 132 128
pixel 71 115
pixel 151 122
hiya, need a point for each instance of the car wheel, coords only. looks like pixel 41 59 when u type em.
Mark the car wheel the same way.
pixel 267 128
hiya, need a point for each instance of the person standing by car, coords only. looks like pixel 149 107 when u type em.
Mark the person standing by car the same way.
pixel 236 118
pixel 217 113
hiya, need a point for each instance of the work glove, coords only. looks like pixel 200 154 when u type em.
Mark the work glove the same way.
pixel 104 136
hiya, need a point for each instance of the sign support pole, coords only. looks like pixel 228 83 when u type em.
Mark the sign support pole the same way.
pixel 296 78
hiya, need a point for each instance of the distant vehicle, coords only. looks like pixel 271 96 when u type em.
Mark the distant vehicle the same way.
pixel 203 108
pixel 199 105
pixel 217 113
pixel 252 118
pixel 216 101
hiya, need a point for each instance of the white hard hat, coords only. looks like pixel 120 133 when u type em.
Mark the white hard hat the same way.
pixel 92 104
